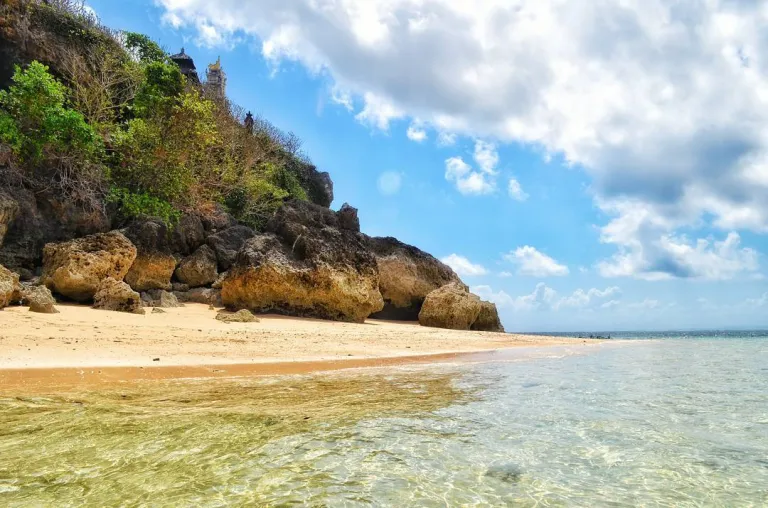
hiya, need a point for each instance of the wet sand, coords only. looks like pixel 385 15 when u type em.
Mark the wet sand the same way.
pixel 84 345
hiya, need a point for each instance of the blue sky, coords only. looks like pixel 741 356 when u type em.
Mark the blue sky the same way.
pixel 585 168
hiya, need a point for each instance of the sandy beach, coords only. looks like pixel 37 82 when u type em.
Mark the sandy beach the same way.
pixel 82 342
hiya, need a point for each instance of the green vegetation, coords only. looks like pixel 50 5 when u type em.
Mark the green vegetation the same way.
pixel 108 121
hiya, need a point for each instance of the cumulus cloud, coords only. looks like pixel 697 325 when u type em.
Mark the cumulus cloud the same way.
pixel 486 157
pixel 544 297
pixel 446 139
pixel 389 183
pixel 516 191
pixel 533 263
pixel 464 266
pixel 467 180
pixel 663 103
pixel 416 133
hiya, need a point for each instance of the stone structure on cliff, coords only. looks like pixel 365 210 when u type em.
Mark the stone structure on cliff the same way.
pixel 216 80
pixel 187 66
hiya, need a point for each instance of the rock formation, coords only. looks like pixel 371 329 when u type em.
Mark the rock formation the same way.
pixel 39 299
pixel 406 276
pixel 241 316
pixel 154 263
pixel 198 269
pixel 226 244
pixel 453 306
pixel 159 298
pixel 308 263
pixel 488 319
pixel 76 268
pixel 9 208
pixel 118 296
pixel 188 234
pixel 9 286
pixel 207 296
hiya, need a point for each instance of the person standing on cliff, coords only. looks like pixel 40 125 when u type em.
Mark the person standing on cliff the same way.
pixel 249 122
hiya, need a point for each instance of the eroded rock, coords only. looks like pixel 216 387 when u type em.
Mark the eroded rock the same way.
pixel 406 276
pixel 75 268
pixel 226 244
pixel 154 263
pixel 199 269
pixel 305 265
pixel 117 296
pixel 188 234
pixel 207 296
pixel 9 286
pixel 241 316
pixel 488 319
pixel 9 208
pixel 452 306
pixel 159 298
pixel 39 298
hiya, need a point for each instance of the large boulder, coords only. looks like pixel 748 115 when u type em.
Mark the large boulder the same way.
pixel 215 218
pixel 154 263
pixel 488 319
pixel 9 208
pixel 226 244
pixel 306 264
pixel 406 276
pixel 76 268
pixel 241 316
pixel 118 296
pixel 452 306
pixel 199 269
pixel 159 298
pixel 39 299
pixel 9 286
pixel 188 234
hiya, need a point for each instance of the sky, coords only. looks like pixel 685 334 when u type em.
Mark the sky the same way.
pixel 587 165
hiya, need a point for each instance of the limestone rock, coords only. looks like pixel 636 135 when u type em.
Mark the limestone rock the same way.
pixel 488 319
pixel 348 218
pixel 451 306
pixel 207 296
pixel 179 286
pixel 406 276
pixel 154 264
pixel 39 299
pixel 118 296
pixel 199 269
pixel 306 264
pixel 188 235
pixel 76 268
pixel 159 298
pixel 9 208
pixel 9 286
pixel 241 316
pixel 227 243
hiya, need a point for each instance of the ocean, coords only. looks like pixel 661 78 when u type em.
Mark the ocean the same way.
pixel 678 421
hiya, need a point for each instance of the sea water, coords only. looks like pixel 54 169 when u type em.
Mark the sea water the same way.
pixel 673 422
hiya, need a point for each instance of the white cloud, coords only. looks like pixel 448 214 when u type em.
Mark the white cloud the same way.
pixel 389 183
pixel 486 157
pixel 378 112
pixel 516 191
pixel 647 304
pixel 467 180
pixel 446 139
pixel 762 301
pixel 664 104
pixel 533 263
pixel 505 274
pixel 416 133
pixel 611 304
pixel 545 298
pixel 464 266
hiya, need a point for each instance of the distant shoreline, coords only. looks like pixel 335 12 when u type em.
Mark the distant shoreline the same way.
pixel 84 345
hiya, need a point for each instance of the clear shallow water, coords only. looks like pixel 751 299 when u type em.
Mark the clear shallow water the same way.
pixel 656 423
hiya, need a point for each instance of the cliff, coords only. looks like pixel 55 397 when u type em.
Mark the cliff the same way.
pixel 126 180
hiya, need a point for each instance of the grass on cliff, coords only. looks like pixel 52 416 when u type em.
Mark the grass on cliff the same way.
pixel 107 120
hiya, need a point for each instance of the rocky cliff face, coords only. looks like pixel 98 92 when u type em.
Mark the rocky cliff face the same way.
pixel 406 276
pixel 310 262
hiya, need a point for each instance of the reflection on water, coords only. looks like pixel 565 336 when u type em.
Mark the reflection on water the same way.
pixel 667 423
